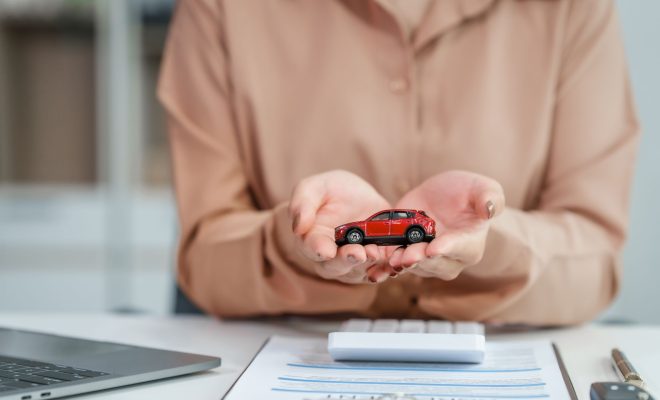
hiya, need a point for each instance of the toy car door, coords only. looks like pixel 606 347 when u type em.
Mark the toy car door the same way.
pixel 378 225
pixel 400 223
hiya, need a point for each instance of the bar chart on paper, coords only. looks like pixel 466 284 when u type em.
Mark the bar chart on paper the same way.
pixel 294 368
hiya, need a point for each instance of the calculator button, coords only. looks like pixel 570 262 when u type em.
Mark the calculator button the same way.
pixel 356 325
pixel 439 327
pixel 469 327
pixel 385 325
pixel 412 326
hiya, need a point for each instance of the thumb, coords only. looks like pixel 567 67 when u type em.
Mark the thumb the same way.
pixel 488 198
pixel 308 196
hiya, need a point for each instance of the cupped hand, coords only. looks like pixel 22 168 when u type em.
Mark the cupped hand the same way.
pixel 322 202
pixel 462 204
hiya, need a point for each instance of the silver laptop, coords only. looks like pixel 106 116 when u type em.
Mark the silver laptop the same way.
pixel 41 366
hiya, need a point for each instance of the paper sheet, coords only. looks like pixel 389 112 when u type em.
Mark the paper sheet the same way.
pixel 294 368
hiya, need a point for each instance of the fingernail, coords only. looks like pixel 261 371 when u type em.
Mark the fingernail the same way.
pixel 351 259
pixel 398 268
pixel 490 207
pixel 296 220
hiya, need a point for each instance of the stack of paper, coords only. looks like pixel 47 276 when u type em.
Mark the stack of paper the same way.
pixel 293 368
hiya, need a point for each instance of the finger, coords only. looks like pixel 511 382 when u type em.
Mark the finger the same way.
pixel 415 270
pixel 307 198
pixel 319 246
pixel 357 275
pixel 378 273
pixel 465 247
pixel 326 271
pixel 348 258
pixel 413 254
pixel 389 250
pixel 373 252
pixel 336 268
pixel 488 197
pixel 381 258
pixel 395 259
pixel 440 267
pixel 351 255
pixel 349 265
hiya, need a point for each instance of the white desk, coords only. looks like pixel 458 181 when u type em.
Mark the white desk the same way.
pixel 585 350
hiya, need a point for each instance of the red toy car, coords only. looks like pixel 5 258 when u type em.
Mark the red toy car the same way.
pixel 388 227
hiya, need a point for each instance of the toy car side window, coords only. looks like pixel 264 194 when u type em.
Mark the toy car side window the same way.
pixel 400 215
pixel 381 217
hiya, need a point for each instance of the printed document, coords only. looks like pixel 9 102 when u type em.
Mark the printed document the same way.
pixel 295 368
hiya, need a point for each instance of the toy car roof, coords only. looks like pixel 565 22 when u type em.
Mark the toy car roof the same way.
pixel 398 209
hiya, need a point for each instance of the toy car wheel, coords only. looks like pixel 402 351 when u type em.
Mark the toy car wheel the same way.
pixel 354 236
pixel 415 235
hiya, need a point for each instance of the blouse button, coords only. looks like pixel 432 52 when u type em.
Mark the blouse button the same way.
pixel 399 86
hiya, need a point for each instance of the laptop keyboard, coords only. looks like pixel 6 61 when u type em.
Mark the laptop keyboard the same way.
pixel 18 373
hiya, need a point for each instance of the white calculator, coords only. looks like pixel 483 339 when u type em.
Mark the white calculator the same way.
pixel 408 341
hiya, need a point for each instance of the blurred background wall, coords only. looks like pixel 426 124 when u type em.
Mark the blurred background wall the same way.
pixel 87 220
pixel 641 34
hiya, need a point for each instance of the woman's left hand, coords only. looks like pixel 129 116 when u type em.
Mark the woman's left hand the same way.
pixel 462 205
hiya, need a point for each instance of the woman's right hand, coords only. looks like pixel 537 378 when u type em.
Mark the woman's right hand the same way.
pixel 320 203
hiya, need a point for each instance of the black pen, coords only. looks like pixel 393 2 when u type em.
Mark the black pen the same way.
pixel 625 369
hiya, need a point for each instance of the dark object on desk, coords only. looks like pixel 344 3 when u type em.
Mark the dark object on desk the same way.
pixel 388 227
pixel 631 387
pixel 37 366
pixel 618 391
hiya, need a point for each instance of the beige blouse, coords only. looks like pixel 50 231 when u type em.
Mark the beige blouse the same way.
pixel 535 94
